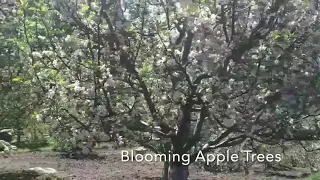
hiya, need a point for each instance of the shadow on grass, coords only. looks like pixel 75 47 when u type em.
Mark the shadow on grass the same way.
pixel 80 156
pixel 33 146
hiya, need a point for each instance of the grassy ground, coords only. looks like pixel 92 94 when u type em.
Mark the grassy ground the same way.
pixel 315 176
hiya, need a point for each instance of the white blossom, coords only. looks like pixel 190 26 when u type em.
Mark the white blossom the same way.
pixel 77 87
pixel 68 38
pixel 37 54
pixel 39 117
pixel 79 52
pixel 51 93
pixel 101 110
pixel 232 63
pixel 110 82
pixel 57 63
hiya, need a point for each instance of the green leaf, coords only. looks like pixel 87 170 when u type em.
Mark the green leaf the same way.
pixel 37 65
pixel 84 9
pixel 11 40
pixel 44 9
pixel 91 16
pixel 17 79
pixel 275 36
pixel 70 86
pixel 32 8
pixel 28 82
pixel 34 114
pixel 62 81
pixel 54 73
pixel 131 28
pixel 31 23
pixel 146 69
pixel 24 3
pixel 192 8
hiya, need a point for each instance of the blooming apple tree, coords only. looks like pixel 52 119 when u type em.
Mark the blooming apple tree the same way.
pixel 176 78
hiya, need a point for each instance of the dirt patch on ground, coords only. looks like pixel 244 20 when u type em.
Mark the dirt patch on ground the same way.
pixel 108 167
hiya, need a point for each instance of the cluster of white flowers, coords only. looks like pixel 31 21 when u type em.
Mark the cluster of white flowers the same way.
pixel 36 54
pixel 39 117
pixel 77 87
pixel 51 93
pixel 57 63
pixel 101 110
pixel 48 53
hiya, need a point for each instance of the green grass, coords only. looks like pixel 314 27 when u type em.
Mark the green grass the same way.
pixel 44 145
pixel 41 149
pixel 315 176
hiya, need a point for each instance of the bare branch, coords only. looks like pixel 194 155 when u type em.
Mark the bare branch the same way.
pixel 233 19
pixel 224 23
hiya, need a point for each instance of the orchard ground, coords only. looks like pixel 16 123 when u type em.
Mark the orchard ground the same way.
pixel 107 167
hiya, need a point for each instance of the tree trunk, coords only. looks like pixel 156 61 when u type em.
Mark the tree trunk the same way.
pixel 18 137
pixel 179 173
pixel 35 136
pixel 165 172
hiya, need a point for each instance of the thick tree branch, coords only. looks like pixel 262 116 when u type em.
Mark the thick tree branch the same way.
pixel 76 119
pixel 197 133
pixel 187 47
